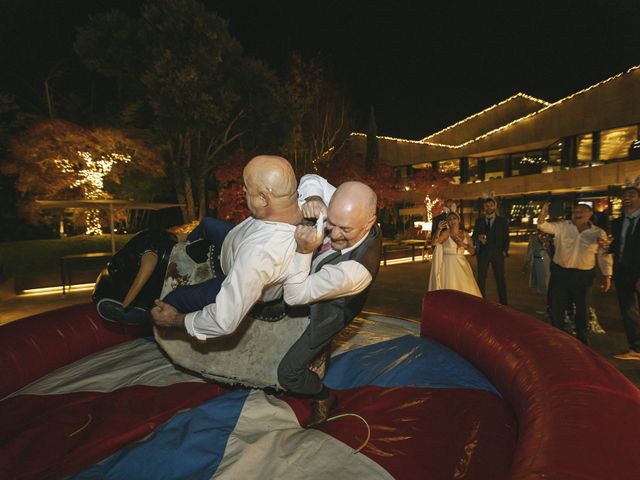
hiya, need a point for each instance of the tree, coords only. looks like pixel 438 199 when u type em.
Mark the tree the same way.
pixel 320 115
pixel 230 203
pixel 390 188
pixel 181 75
pixel 372 141
pixel 55 159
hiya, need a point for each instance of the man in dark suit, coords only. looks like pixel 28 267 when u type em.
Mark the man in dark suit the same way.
pixel 491 235
pixel 626 268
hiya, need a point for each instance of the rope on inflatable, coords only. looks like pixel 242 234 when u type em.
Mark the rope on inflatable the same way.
pixel 361 418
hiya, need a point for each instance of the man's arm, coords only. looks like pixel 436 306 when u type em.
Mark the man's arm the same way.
pixel 241 289
pixel 332 281
pixel 605 261
pixel 545 226
pixel 505 237
pixel 314 186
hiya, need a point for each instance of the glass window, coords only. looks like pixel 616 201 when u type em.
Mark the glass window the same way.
pixel 450 167
pixel 554 157
pixel 474 172
pixel 614 143
pixel 528 163
pixel 495 167
pixel 585 143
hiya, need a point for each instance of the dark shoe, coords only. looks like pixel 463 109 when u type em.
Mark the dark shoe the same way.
pixel 113 311
pixel 320 411
pixel 630 355
pixel 110 310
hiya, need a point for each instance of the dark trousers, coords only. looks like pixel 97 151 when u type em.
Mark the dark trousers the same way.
pixel 495 258
pixel 628 299
pixel 570 285
pixel 191 298
pixel 293 372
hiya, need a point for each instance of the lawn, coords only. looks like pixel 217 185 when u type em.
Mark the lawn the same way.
pixel 43 256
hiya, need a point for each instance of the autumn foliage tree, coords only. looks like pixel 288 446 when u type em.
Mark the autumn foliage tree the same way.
pixel 229 202
pixel 382 178
pixel 56 159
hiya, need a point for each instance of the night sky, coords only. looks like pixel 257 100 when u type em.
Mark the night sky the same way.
pixel 422 65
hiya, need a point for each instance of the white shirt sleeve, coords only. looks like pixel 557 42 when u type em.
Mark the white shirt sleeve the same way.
pixel 239 292
pixel 314 185
pixel 332 281
pixel 550 227
pixel 605 259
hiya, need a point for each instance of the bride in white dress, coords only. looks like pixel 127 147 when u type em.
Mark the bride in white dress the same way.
pixel 449 267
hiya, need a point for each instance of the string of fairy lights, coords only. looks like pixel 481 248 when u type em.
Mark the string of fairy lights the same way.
pixel 90 173
pixel 486 110
pixel 546 106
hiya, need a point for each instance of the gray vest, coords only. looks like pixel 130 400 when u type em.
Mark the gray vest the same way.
pixel 331 316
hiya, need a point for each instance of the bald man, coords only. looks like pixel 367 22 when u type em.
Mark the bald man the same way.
pixel 257 256
pixel 336 290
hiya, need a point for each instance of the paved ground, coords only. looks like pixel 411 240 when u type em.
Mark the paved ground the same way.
pixel 398 291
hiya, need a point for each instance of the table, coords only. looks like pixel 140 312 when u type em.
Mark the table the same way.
pixel 68 261
pixel 413 243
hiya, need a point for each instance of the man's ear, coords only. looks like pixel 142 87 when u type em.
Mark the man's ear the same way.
pixel 264 199
pixel 371 222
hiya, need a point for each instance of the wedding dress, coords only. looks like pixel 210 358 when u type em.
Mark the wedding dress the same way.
pixel 451 270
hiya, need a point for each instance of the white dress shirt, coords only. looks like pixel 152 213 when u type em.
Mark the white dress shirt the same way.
pixel 257 257
pixel 576 249
pixel 331 281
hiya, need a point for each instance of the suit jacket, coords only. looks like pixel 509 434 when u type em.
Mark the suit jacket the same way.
pixel 497 235
pixel 631 249
pixel 331 316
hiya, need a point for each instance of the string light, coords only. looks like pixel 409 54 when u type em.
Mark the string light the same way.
pixel 546 106
pixel 90 180
pixel 486 110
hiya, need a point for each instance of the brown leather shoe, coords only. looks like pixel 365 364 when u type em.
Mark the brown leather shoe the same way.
pixel 630 355
pixel 320 410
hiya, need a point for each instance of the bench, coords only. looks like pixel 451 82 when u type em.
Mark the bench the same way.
pixel 67 262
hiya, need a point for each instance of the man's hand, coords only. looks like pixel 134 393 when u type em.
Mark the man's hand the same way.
pixel 545 209
pixel 307 238
pixel 606 283
pixel 313 207
pixel 505 254
pixel 165 315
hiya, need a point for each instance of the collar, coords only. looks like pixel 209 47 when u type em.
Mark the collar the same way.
pixel 634 214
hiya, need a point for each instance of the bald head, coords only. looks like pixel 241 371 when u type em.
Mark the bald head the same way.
pixel 351 214
pixel 270 185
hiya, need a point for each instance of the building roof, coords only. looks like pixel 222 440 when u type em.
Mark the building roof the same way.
pixel 611 103
pixel 490 118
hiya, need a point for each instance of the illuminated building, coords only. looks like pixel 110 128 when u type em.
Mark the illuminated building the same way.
pixel 526 150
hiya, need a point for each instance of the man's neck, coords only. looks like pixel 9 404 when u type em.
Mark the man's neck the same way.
pixel 290 214
pixel 631 211
pixel 582 226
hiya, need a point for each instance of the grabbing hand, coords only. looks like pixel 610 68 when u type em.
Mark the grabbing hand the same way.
pixel 307 238
pixel 313 207
pixel 165 315
pixel 544 211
